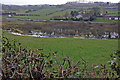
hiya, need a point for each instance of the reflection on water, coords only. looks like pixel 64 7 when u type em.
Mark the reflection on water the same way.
pixel 113 35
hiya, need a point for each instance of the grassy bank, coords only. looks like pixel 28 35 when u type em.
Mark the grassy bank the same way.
pixel 101 19
pixel 92 50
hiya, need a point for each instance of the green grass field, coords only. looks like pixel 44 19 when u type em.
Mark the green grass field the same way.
pixel 57 12
pixel 101 19
pixel 43 13
pixel 92 50
pixel 112 15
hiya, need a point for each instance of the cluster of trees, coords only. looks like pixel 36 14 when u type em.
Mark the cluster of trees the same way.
pixel 74 13
pixel 30 11
pixel 91 15
pixel 69 18
pixel 27 15
pixel 15 14
pixel 94 12
pixel 9 13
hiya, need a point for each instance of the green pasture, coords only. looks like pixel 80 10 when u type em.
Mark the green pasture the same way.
pixel 44 13
pixel 112 10
pixel 101 19
pixel 113 15
pixel 94 51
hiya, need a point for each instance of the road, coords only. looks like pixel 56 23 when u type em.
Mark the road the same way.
pixel 54 20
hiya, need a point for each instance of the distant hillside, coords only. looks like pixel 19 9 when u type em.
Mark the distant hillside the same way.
pixel 51 11
pixel 67 5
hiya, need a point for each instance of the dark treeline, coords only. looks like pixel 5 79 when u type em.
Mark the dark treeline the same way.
pixel 27 15
pixel 20 14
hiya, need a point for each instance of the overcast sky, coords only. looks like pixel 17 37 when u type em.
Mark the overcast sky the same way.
pixel 32 2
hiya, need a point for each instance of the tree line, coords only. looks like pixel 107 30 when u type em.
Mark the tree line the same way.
pixel 67 28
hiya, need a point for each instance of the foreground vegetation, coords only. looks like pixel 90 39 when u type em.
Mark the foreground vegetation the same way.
pixel 22 63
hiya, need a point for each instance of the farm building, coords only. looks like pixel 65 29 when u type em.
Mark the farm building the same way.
pixel 111 17
pixel 79 16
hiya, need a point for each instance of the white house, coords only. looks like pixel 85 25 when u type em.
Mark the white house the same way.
pixel 9 15
pixel 79 16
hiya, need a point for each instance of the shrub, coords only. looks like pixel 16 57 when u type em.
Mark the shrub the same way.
pixel 22 63
pixel 115 62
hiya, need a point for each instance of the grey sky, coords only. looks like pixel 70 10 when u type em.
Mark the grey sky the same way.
pixel 32 2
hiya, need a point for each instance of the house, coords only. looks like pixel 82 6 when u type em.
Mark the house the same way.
pixel 83 15
pixel 79 16
pixel 111 17
pixel 9 15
